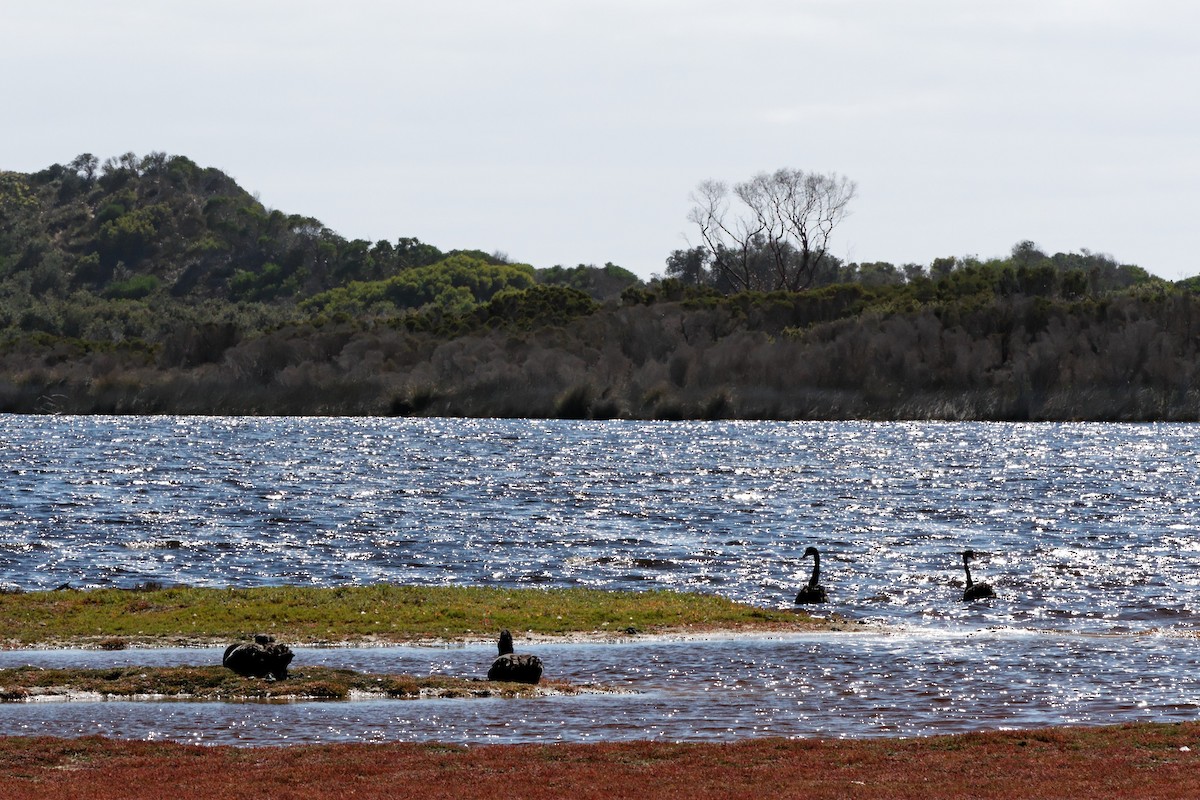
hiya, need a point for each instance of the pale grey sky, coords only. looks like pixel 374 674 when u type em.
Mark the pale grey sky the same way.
pixel 573 131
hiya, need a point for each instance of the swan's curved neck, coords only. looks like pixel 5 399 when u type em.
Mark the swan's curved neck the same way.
pixel 816 573
pixel 967 568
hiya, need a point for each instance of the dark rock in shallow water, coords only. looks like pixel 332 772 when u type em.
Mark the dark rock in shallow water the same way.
pixel 261 659
pixel 514 667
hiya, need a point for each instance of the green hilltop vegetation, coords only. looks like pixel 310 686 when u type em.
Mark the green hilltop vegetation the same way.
pixel 152 285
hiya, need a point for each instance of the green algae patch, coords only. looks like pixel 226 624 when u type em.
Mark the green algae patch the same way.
pixel 383 613
pixel 218 683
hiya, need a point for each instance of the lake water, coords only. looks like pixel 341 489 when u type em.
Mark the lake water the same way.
pixel 1087 531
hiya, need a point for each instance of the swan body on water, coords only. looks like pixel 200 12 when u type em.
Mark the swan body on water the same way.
pixel 515 667
pixel 813 592
pixel 974 591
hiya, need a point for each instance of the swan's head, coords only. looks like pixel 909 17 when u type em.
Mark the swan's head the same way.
pixel 968 555
pixel 810 551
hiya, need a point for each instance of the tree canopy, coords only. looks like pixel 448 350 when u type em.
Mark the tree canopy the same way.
pixel 777 235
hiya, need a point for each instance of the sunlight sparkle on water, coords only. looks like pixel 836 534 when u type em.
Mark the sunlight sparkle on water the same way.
pixel 1085 529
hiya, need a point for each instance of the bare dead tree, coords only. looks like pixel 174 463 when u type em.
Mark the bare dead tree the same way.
pixel 731 242
pixel 780 233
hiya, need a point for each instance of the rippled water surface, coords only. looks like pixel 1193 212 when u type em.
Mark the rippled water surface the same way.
pixel 1088 533
pixel 802 685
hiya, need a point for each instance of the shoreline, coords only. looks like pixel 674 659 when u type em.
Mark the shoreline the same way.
pixel 215 683
pixel 55 694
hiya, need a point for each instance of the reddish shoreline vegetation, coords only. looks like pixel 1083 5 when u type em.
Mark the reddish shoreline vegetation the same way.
pixel 1128 761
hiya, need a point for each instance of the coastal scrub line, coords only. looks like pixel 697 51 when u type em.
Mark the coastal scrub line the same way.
pixel 381 612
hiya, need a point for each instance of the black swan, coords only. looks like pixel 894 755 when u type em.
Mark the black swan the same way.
pixel 263 658
pixel 814 592
pixel 974 591
pixel 522 668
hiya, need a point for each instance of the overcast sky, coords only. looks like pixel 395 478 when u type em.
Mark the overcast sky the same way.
pixel 573 131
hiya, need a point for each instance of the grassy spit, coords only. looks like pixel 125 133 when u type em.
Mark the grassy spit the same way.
pixel 1128 761
pixel 379 613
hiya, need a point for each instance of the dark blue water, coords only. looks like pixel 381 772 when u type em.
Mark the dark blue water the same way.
pixel 1088 532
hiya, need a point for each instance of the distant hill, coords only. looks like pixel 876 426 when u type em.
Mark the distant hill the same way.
pixel 134 226
pixel 153 285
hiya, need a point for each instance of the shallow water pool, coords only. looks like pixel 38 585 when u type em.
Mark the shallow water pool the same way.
pixel 828 685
